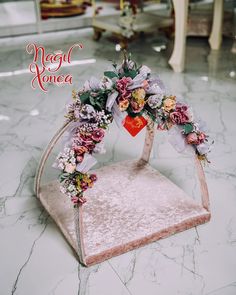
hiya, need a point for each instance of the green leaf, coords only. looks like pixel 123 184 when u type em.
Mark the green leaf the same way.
pixel 131 73
pixel 187 128
pixel 92 100
pixel 84 97
pixel 110 74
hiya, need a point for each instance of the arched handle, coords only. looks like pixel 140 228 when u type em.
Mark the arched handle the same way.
pixel 149 138
pixel 78 211
pixel 45 156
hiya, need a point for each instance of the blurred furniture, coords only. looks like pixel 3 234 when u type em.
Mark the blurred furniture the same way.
pixel 62 8
pixel 181 15
pixel 127 25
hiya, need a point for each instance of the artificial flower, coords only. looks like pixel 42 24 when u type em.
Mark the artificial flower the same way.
pixel 139 95
pixel 87 112
pixel 69 168
pixel 138 100
pixel 106 83
pixel 169 103
pixel 98 134
pixel 123 105
pixel 122 85
pixel 201 137
pixel 155 101
pixel 80 150
pixel 203 148
pixel 180 115
pixel 93 177
pixel 80 158
pixel 194 138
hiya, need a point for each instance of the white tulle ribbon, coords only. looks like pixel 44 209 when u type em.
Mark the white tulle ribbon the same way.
pixel 92 84
pixel 111 100
pixel 118 115
pixel 177 140
pixel 100 148
pixel 87 163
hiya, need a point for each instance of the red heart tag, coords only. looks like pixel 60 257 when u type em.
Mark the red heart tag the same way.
pixel 134 124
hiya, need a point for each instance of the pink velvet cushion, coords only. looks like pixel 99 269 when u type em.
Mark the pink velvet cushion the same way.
pixel 130 205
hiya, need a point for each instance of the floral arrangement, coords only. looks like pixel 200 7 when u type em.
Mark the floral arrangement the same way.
pixel 129 90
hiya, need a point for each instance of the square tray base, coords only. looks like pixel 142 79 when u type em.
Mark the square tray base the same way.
pixel 130 205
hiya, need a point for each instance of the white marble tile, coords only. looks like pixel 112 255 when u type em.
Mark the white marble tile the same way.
pixel 35 258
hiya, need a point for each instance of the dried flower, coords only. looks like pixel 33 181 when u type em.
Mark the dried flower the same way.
pixel 180 115
pixel 203 148
pixel 138 100
pixel 70 168
pixel 169 103
pixel 98 134
pixel 194 138
pixel 87 112
pixel 155 101
pixel 123 105
pixel 122 85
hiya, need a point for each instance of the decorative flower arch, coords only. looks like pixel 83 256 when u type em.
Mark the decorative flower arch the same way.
pixel 130 96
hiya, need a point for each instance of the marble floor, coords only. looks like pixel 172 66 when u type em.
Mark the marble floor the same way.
pixel 34 256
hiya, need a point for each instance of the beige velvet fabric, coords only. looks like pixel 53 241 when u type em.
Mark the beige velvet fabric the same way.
pixel 129 206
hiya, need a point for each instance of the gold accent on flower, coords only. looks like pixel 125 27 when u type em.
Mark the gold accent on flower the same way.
pixel 169 103
pixel 74 94
pixel 139 96
pixel 87 180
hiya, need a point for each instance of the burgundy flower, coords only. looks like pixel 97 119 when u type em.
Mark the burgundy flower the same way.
pixel 79 158
pixel 84 185
pixel 82 144
pixel 98 134
pixel 122 85
pixel 180 115
pixel 201 137
pixel 90 146
pixel 93 177
pixel 85 136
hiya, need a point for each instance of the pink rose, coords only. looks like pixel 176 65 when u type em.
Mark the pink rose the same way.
pixel 192 138
pixel 98 134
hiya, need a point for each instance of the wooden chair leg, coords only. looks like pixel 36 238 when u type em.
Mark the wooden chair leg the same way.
pixel 181 14
pixel 216 31
pixel 97 34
